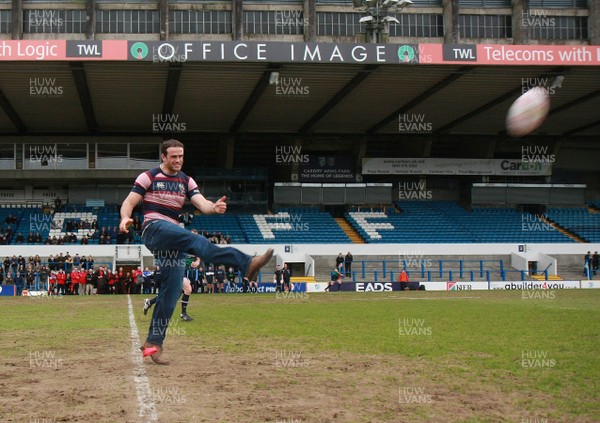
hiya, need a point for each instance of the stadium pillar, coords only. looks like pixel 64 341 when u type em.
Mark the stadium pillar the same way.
pixel 229 146
pixel 164 19
pixel 310 21
pixel 90 31
pixel 17 20
pixel 295 164
pixel 360 151
pixel 237 19
pixel 594 22
pixel 520 31
pixel 226 146
pixel 451 20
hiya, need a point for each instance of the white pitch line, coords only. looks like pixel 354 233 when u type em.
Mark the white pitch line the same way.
pixel 147 408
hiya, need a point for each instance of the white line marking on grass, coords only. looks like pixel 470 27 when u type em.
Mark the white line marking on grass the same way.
pixel 147 408
pixel 340 300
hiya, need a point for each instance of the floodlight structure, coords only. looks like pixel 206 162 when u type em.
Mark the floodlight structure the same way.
pixel 377 18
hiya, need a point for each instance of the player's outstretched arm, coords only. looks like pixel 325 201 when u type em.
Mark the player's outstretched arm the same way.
pixel 208 207
pixel 132 200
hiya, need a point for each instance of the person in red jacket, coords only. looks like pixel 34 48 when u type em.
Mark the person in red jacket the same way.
pixel 120 283
pixel 82 281
pixel 111 279
pixel 101 275
pixel 61 278
pixel 403 279
pixel 138 277
pixel 52 283
pixel 75 281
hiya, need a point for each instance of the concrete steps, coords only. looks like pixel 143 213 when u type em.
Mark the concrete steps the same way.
pixel 349 231
pixel 562 230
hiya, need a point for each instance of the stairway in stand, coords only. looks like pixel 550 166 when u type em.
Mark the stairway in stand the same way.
pixel 562 230
pixel 349 231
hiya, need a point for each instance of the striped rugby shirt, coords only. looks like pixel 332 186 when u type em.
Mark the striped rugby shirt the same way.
pixel 164 195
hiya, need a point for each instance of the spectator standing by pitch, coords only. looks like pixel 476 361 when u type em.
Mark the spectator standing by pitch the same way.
pixel 339 262
pixel 403 279
pixel 348 264
pixel 278 278
pixel 287 278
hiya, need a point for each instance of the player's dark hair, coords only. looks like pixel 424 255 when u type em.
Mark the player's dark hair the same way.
pixel 165 145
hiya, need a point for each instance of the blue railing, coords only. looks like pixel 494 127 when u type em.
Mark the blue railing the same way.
pixel 426 268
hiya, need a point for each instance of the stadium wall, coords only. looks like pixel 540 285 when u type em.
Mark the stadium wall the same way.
pixel 565 253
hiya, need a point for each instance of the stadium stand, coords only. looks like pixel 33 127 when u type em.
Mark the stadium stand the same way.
pixel 294 225
pixel 226 224
pixel 580 221
pixel 407 222
pixel 447 222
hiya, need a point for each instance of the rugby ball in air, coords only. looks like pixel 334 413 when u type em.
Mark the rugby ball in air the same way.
pixel 528 112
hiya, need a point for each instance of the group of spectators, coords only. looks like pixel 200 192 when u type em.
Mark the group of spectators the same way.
pixel 211 279
pixel 73 225
pixel 104 235
pixel 216 238
pixel 5 234
pixel 138 281
pixel 7 231
pixel 344 264
pixel 32 272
